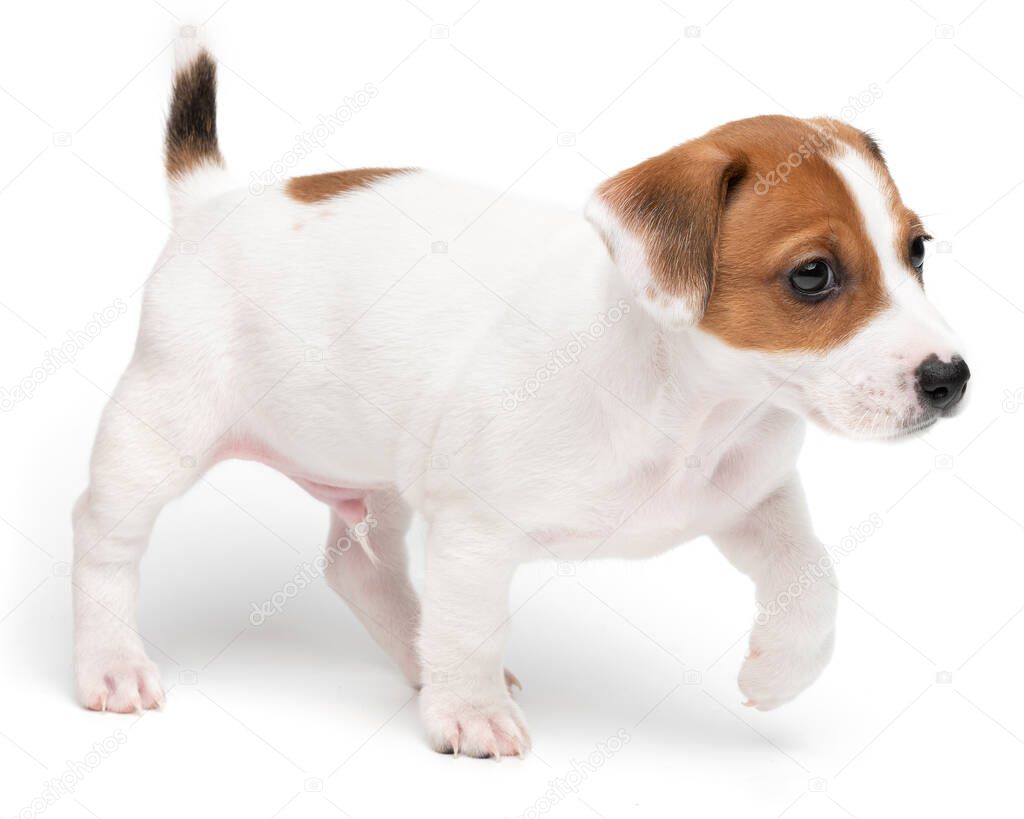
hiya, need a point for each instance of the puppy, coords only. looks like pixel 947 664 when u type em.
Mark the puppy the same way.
pixel 535 383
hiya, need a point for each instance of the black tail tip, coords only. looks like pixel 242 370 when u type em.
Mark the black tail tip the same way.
pixel 192 124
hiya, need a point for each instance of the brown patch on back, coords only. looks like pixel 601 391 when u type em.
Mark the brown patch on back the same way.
pixel 321 186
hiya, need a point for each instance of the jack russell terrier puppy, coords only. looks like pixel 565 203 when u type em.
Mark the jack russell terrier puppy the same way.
pixel 542 386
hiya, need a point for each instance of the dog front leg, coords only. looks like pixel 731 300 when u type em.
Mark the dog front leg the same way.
pixel 465 702
pixel 794 632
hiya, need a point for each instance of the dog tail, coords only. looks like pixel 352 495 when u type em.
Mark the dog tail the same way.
pixel 192 156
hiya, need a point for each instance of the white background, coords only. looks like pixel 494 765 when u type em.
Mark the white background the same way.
pixel 919 713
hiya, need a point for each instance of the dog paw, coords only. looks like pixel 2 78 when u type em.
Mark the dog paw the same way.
pixel 772 675
pixel 473 726
pixel 123 684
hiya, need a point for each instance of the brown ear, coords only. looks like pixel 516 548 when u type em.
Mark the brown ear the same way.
pixel 660 221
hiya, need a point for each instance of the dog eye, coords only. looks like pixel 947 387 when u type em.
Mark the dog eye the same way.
pixel 813 279
pixel 916 253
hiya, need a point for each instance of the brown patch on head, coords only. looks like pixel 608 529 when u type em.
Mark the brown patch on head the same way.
pixel 749 202
pixel 792 208
pixel 321 186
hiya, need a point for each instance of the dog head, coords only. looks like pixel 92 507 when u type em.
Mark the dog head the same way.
pixel 786 239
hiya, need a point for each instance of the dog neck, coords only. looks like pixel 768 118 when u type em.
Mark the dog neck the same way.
pixel 680 383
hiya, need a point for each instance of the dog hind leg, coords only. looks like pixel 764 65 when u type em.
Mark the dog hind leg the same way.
pixel 378 590
pixel 147 451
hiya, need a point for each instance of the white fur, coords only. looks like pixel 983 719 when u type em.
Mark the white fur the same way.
pixel 329 338
pixel 631 258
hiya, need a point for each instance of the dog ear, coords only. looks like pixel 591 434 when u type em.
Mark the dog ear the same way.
pixel 660 221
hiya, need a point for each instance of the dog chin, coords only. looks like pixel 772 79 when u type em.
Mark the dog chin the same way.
pixel 908 431
pixel 889 432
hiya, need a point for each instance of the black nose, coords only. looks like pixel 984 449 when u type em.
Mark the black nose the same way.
pixel 942 384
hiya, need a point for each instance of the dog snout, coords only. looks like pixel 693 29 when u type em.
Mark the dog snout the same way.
pixel 941 384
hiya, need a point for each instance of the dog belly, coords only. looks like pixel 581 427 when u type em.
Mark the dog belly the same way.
pixel 586 545
pixel 348 501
